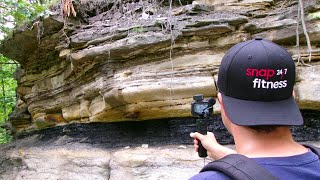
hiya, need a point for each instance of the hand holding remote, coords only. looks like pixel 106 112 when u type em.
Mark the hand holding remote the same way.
pixel 212 147
pixel 202 128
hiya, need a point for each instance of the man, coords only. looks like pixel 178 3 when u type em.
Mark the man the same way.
pixel 255 83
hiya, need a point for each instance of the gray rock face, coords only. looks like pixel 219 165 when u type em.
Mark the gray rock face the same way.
pixel 141 150
pixel 90 163
pixel 138 63
pixel 82 161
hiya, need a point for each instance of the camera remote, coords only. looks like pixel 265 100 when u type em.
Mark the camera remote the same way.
pixel 202 128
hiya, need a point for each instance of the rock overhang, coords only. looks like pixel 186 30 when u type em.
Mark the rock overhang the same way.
pixel 145 69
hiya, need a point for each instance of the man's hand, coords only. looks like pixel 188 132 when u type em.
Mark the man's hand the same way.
pixel 214 149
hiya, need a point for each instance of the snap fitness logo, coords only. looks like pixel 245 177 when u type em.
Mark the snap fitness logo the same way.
pixel 263 75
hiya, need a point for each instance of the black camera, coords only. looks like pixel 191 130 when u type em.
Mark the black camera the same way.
pixel 201 107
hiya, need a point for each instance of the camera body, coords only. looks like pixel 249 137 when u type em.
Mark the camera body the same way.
pixel 201 107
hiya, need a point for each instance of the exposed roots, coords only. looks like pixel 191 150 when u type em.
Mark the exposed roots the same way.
pixel 67 8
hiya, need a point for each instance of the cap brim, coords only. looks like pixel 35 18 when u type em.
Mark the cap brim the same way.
pixel 252 113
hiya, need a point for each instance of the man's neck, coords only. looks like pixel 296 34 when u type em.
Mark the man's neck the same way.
pixel 278 143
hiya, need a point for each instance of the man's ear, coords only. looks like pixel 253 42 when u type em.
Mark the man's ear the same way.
pixel 295 96
pixel 220 100
pixel 225 120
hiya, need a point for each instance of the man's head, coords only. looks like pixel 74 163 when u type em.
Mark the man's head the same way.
pixel 256 80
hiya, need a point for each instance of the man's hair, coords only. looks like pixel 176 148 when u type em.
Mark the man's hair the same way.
pixel 265 129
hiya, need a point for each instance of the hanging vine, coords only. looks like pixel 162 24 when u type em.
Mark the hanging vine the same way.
pixel 300 18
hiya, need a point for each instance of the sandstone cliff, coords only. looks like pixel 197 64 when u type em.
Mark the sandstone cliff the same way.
pixel 142 60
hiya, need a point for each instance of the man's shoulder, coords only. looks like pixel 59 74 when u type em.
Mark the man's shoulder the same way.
pixel 304 165
pixel 207 175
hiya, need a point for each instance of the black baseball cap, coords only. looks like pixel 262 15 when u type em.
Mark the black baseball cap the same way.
pixel 256 80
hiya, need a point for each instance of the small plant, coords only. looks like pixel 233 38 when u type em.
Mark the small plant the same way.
pixel 314 16
pixel 138 29
pixel 4 136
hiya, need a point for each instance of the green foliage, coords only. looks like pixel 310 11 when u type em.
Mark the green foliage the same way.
pixel 315 15
pixel 18 12
pixel 4 136
pixel 138 29
pixel 7 93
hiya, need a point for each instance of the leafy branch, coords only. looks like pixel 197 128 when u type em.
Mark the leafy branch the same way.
pixel 7 95
pixel 18 12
